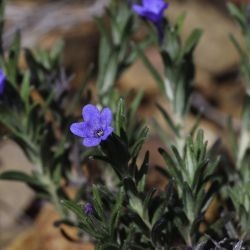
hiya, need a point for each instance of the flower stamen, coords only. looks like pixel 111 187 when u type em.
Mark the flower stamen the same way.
pixel 99 133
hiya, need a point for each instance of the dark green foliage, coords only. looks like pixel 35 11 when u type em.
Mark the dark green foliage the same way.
pixel 37 108
pixel 192 173
pixel 238 190
pixel 116 52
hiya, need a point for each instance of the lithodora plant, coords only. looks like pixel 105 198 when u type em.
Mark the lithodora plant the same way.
pixel 129 216
pixel 177 82
pixel 240 141
pixel 121 211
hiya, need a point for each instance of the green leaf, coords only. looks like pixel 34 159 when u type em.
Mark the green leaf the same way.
pixel 156 75
pixel 25 88
pixel 103 29
pixel 11 65
pixel 246 114
pixel 221 222
pixel 190 161
pixel 57 51
pixel 170 192
pixel 238 15
pixel 171 167
pixel 108 246
pixel 135 104
pixel 116 211
pixel 130 186
pixel 97 201
pixel 117 153
pixel 179 22
pixel 103 59
pixel 178 157
pixel 196 124
pixel 168 120
pixel 75 208
pixel 134 151
pixel 188 202
pixel 42 57
pixel 182 228
pixel 133 54
pixel 144 167
pixel 120 118
pixel 110 75
pixel 148 200
pixel 192 41
pixel 232 137
pixel 18 176
pixel 158 227
pixel 238 47
pixel 57 174
pixel 86 227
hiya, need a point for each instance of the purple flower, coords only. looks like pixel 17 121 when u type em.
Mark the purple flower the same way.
pixel 153 10
pixel 2 82
pixel 88 209
pixel 96 126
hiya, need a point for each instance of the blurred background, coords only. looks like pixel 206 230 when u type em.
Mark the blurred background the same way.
pixel 218 90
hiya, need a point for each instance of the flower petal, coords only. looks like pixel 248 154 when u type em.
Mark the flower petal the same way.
pixel 90 112
pixel 106 117
pixel 81 129
pixel 153 10
pixel 148 4
pixel 163 8
pixel 91 142
pixel 2 82
pixel 153 5
pixel 151 16
pixel 108 131
pixel 138 9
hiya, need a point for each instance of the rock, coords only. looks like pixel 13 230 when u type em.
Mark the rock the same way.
pixel 44 236
pixel 36 20
pixel 43 24
pixel 14 196
pixel 137 77
pixel 215 52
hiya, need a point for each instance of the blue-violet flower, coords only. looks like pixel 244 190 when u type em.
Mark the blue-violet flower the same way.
pixel 96 126
pixel 153 10
pixel 2 82
pixel 88 209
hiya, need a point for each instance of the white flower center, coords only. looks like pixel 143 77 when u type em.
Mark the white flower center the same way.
pixel 99 133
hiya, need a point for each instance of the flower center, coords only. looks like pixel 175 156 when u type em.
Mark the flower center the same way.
pixel 99 132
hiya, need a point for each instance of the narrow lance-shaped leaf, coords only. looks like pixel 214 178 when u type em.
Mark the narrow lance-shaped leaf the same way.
pixel 192 41
pixel 56 51
pixel 12 64
pixel 168 120
pixel 76 209
pixel 179 22
pixel 116 211
pixel 97 202
pixel 238 15
pixel 139 143
pixel 135 104
pixel 18 176
pixel 120 118
pixel 25 89
pixel 151 68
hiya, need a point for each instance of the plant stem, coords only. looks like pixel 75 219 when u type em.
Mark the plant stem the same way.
pixel 54 197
